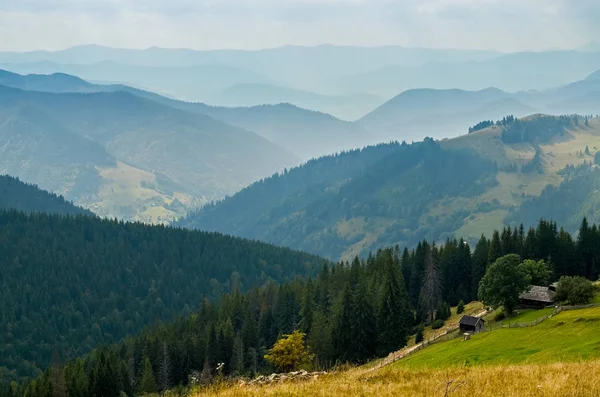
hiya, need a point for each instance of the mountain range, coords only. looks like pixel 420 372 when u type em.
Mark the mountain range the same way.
pixel 127 156
pixel 313 77
pixel 134 154
pixel 349 204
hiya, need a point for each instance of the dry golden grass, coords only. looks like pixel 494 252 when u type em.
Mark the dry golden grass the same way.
pixel 552 380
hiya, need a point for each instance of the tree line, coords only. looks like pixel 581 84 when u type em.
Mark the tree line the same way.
pixel 350 312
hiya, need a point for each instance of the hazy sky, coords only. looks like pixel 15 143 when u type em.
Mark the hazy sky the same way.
pixel 506 25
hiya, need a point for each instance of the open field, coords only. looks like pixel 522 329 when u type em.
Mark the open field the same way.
pixel 580 379
pixel 559 357
pixel 568 336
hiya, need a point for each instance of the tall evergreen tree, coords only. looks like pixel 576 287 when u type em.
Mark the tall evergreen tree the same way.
pixel 394 314
pixel 363 327
pixel 148 381
pixel 431 290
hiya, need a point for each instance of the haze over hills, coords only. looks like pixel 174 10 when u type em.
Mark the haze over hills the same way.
pixel 127 156
pixel 347 107
pixel 309 76
pixel 400 194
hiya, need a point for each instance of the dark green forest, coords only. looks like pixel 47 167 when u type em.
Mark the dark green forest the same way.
pixel 71 284
pixel 302 207
pixel 15 194
pixel 541 129
pixel 351 312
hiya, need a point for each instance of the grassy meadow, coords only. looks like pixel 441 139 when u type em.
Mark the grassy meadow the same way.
pixel 559 357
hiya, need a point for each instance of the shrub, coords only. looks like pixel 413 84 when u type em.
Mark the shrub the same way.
pixel 576 290
pixel 500 316
pixel 461 307
pixel 420 334
pixel 437 324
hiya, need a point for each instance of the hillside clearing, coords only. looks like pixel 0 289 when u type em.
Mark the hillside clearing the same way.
pixel 568 336
pixel 559 357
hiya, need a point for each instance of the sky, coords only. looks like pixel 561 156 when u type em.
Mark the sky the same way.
pixel 501 25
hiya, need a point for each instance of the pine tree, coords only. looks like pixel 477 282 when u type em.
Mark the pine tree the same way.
pixel 431 290
pixel 237 358
pixel 363 327
pixel 394 317
pixel 479 264
pixel 164 373
pixel 495 251
pixel 342 326
pixel 306 312
pixel 147 382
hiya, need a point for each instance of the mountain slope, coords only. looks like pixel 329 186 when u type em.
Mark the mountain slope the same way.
pixel 440 113
pixel 56 82
pixel 401 194
pixel 382 202
pixel 20 196
pixel 346 107
pixel 303 132
pixel 71 284
pixel 193 153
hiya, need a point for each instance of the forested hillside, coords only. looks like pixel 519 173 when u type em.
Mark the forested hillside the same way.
pixel 70 284
pixel 351 312
pixel 373 197
pixel 126 156
pixel 347 204
pixel 24 197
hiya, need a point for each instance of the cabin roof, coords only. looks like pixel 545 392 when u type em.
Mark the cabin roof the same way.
pixel 470 320
pixel 539 294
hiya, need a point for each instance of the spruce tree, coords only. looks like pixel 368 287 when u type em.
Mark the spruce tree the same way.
pixel 363 326
pixel 342 326
pixel 306 312
pixel 147 382
pixel 431 290
pixel 394 317
pixel 495 250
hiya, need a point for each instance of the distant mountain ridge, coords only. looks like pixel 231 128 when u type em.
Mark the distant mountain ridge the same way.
pixel 327 70
pixel 176 155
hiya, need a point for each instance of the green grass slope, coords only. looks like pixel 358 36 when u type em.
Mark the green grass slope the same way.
pixel 569 336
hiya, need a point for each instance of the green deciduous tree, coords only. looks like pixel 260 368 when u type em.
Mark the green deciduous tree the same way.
pixel 538 271
pixel 503 282
pixel 576 290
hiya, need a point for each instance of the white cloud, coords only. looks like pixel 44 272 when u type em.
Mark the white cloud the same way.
pixel 508 25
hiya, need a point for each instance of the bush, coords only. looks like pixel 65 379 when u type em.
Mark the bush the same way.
pixel 461 307
pixel 576 290
pixel 500 316
pixel 420 334
pixel 437 324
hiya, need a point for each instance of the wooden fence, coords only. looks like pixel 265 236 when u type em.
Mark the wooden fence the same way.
pixel 581 306
pixel 454 332
pixel 533 323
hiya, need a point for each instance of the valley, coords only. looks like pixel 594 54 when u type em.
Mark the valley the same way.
pixel 392 220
